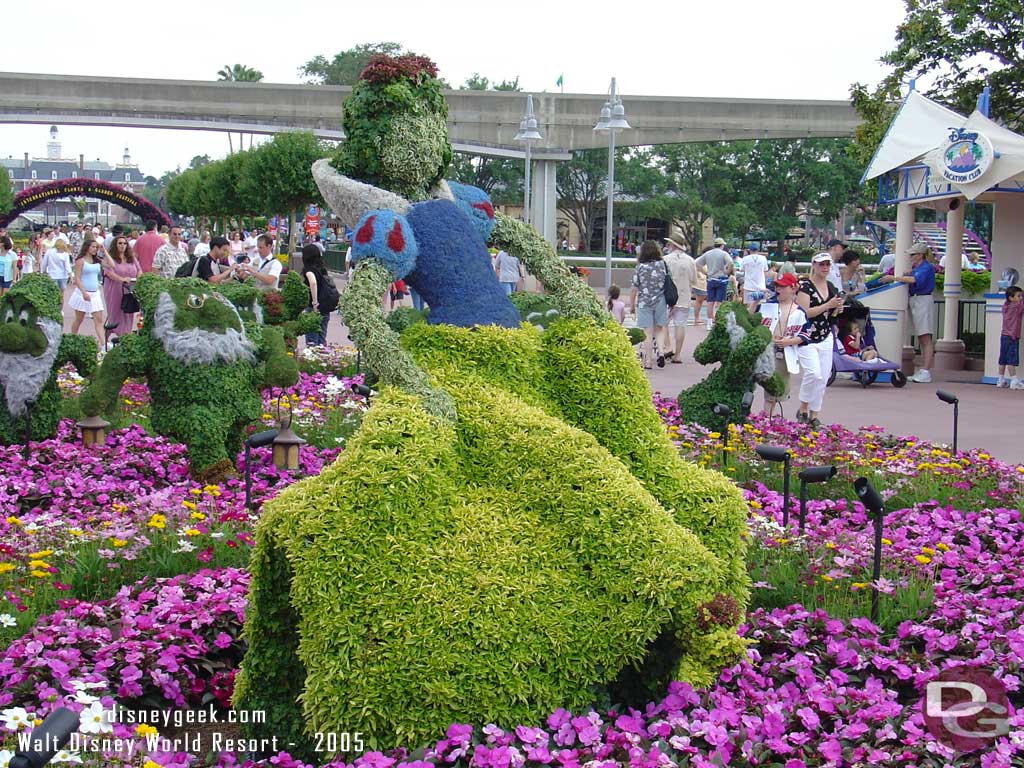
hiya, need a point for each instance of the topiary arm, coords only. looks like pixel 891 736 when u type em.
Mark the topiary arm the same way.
pixel 360 309
pixel 129 358
pixel 281 369
pixel 573 296
pixel 80 351
pixel 740 364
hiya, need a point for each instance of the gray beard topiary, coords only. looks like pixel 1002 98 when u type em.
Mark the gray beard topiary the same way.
pixel 764 366
pixel 23 376
pixel 197 346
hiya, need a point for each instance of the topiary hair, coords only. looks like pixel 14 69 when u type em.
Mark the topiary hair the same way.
pixel 41 292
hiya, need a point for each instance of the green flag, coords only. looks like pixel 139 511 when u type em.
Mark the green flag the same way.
pixel 558 82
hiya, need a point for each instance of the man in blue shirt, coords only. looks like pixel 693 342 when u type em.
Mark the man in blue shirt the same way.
pixel 921 280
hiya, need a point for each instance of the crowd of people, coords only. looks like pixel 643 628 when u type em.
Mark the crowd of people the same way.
pixel 96 270
pixel 805 313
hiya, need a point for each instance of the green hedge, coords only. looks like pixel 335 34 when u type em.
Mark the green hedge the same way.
pixel 494 569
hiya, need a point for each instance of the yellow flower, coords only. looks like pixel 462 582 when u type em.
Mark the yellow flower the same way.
pixel 922 559
pixel 984 456
pixel 157 521
pixel 859 585
pixel 732 469
pixel 714 435
pixel 196 492
pixel 927 551
pixel 942 547
pixel 781 541
pixel 197 516
pixel 12 520
pixel 38 564
pixel 75 531
pixel 118 542
pixel 887 542
pixel 40 574
pixel 829 545
pixel 754 504
pixel 192 532
pixel 5 567
pixel 826 577
pixel 188 505
pixel 151 764
pixel 142 729
pixel 41 553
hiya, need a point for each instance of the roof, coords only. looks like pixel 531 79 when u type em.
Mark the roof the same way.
pixel 68 169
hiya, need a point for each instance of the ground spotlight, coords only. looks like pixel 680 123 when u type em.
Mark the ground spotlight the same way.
pixel 723 410
pixel 363 391
pixel 872 501
pixel 812 475
pixel 258 440
pixel 951 399
pixel 47 739
pixel 777 453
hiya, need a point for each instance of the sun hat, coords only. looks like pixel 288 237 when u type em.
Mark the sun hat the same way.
pixel 786 280
pixel 677 241
pixel 820 257
pixel 719 241
pixel 919 248
pixel 833 243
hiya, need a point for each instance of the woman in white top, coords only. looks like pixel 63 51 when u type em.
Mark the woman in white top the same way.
pixel 786 320
pixel 87 297
pixel 57 264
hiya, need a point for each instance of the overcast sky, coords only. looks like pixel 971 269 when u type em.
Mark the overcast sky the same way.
pixel 805 49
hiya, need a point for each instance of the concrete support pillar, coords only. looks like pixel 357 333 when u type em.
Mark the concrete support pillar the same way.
pixel 904 239
pixel 544 199
pixel 949 349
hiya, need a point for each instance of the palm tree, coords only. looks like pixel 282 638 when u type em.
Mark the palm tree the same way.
pixel 239 73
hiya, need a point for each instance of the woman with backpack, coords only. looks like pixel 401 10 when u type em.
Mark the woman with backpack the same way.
pixel 323 294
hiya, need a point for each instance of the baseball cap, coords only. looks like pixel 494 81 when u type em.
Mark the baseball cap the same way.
pixel 919 248
pixel 219 242
pixel 786 280
pixel 820 257
pixel 719 241
pixel 833 242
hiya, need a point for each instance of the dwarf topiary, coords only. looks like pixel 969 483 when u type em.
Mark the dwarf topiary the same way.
pixel 33 348
pixel 284 309
pixel 503 474
pixel 205 369
pixel 744 348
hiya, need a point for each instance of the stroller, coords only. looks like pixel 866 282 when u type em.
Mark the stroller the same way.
pixel 864 371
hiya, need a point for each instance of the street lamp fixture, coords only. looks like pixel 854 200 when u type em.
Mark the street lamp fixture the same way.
pixel 779 454
pixel 808 476
pixel 951 399
pixel 613 118
pixel 528 133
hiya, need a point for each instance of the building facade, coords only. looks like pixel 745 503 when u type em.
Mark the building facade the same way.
pixel 28 172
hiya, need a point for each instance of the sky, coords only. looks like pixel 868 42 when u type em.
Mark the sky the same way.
pixel 801 49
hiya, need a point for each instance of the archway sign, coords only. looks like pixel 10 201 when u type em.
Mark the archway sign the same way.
pixel 29 198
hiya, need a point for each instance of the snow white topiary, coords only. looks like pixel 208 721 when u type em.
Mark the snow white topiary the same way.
pixel 511 529
pixel 744 348
pixel 33 348
pixel 204 367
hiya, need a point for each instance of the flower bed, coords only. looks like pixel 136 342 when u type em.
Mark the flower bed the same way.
pixel 820 685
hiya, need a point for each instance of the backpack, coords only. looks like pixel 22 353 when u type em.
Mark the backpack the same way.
pixel 189 268
pixel 327 293
pixel 670 290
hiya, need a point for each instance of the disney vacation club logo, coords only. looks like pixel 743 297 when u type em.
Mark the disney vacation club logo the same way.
pixel 966 156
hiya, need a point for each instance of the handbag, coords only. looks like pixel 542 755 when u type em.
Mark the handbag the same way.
pixel 129 301
pixel 670 291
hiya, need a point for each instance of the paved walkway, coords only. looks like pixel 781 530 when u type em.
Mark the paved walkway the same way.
pixel 990 418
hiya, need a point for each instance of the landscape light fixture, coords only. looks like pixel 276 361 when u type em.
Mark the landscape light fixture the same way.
pixel 363 391
pixel 613 118
pixel 746 403
pixel 872 502
pixel 28 428
pixel 94 431
pixel 812 475
pixel 258 440
pixel 949 397
pixel 777 453
pixel 723 410
pixel 528 133
pixel 47 739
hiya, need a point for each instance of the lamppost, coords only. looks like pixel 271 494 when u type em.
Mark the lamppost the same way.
pixel 613 116
pixel 528 133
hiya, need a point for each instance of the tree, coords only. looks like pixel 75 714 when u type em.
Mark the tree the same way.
pixel 6 194
pixel 345 67
pixel 500 178
pixel 239 73
pixel 580 184
pixel 477 82
pixel 278 176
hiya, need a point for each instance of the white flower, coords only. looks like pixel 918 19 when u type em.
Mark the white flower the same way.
pixel 6 620
pixel 5 757
pixel 184 546
pixel 15 718
pixel 95 719
pixel 85 698
pixel 217 535
pixel 66 757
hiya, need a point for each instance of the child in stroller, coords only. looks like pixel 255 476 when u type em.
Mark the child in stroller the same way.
pixel 856 352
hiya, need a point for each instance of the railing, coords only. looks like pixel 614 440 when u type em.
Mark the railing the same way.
pixel 970 326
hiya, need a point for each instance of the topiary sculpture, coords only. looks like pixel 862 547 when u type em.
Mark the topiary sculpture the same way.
pixel 511 529
pixel 33 348
pixel 204 367
pixel 744 348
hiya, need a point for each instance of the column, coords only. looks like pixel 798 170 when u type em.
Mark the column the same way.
pixel 544 199
pixel 949 349
pixel 904 239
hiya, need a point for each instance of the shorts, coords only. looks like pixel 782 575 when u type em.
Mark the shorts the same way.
pixel 698 292
pixel 648 317
pixel 4 284
pixel 922 314
pixel 679 316
pixel 752 296
pixel 1009 351
pixel 716 290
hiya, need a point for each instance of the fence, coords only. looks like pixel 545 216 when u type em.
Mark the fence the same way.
pixel 970 326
